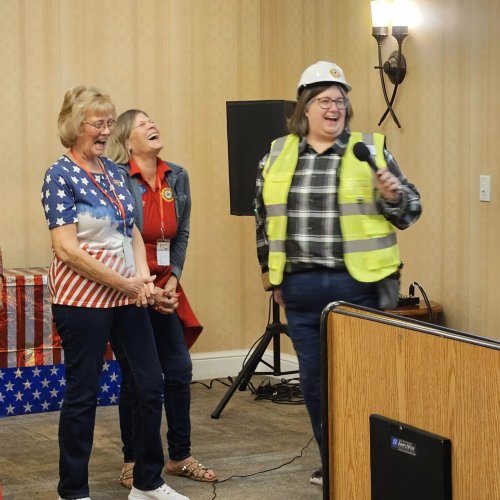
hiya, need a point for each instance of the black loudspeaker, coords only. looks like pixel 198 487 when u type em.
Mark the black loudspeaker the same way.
pixel 251 127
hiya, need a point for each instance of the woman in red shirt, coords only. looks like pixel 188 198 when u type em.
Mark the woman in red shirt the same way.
pixel 162 209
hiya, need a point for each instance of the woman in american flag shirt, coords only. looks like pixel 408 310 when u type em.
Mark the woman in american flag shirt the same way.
pixel 97 279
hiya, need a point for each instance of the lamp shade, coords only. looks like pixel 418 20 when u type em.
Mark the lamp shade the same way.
pixel 401 13
pixel 381 14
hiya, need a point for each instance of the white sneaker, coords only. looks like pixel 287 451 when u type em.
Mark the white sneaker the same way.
pixel 317 477
pixel 81 498
pixel 163 492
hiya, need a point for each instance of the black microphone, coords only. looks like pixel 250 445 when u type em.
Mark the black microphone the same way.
pixel 362 153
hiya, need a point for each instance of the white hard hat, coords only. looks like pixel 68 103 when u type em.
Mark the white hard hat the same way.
pixel 322 72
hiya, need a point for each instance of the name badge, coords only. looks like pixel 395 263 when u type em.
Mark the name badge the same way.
pixel 128 253
pixel 163 252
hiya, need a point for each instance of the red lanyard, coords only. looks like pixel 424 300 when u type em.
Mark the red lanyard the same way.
pixel 116 201
pixel 158 180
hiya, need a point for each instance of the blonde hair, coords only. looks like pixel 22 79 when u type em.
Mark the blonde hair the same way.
pixel 298 123
pixel 78 100
pixel 116 147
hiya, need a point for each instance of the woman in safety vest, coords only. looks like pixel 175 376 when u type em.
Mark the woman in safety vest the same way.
pixel 326 220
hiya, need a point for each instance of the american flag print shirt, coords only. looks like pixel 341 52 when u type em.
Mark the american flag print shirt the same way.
pixel 69 196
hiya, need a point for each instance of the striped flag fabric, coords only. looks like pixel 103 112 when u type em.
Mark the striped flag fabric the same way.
pixel 27 334
pixel 31 358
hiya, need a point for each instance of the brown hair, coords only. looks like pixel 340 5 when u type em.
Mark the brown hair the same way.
pixel 298 123
pixel 78 100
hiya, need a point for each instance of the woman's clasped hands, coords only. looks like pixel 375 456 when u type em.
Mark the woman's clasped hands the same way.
pixel 141 289
pixel 165 301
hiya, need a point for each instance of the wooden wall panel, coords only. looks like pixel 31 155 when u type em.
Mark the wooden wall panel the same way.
pixel 181 60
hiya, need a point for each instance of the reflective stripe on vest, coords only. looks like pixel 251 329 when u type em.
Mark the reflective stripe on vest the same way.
pixel 370 248
pixel 283 159
pixel 369 241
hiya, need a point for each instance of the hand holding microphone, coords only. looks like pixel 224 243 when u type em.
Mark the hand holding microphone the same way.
pixel 385 181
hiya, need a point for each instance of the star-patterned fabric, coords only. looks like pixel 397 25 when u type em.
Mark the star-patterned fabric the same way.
pixel 37 389
pixel 32 376
pixel 70 195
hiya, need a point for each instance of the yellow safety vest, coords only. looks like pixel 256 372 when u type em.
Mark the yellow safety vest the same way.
pixel 370 248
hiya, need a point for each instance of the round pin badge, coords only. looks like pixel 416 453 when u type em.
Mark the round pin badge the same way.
pixel 167 194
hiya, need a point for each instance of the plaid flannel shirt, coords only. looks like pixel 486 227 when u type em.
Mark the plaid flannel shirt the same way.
pixel 314 238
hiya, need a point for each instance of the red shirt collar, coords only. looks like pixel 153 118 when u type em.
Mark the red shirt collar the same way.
pixel 161 168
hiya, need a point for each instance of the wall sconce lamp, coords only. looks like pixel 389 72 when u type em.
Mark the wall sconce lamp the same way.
pixel 385 14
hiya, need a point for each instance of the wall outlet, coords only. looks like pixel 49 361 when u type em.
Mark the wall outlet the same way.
pixel 484 188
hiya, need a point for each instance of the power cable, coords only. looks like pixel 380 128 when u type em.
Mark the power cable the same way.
pixel 411 291
pixel 287 391
pixel 215 483
pixel 211 383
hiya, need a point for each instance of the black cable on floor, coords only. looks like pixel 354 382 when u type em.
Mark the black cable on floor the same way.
pixel 215 483
pixel 287 391
pixel 211 383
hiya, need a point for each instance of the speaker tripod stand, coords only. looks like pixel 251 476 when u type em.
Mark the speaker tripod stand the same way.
pixel 273 332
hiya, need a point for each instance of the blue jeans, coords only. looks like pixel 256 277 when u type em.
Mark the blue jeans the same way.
pixel 306 294
pixel 177 371
pixel 84 333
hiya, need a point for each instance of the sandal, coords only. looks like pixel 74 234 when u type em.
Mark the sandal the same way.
pixel 193 470
pixel 127 475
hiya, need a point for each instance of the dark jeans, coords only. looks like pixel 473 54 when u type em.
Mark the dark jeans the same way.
pixel 306 294
pixel 84 333
pixel 177 371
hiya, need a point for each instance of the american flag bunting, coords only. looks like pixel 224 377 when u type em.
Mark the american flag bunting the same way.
pixel 31 358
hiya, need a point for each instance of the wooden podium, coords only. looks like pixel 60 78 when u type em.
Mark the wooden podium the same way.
pixel 444 381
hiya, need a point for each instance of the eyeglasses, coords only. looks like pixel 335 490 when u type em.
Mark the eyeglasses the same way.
pixel 102 124
pixel 326 102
